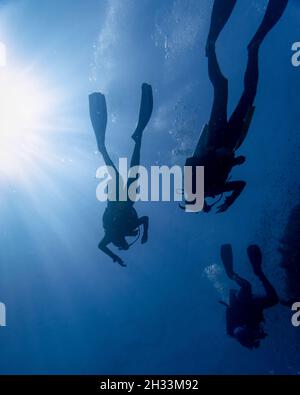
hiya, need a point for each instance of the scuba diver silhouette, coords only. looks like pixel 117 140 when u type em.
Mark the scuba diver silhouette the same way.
pixel 244 313
pixel 221 138
pixel 120 219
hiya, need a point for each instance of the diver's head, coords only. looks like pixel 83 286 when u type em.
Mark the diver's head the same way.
pixel 249 338
pixel 121 243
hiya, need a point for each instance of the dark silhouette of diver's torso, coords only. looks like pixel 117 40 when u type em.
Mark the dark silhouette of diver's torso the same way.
pixel 120 218
pixel 216 171
pixel 243 313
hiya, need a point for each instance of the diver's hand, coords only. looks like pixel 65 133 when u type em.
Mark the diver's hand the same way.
pixel 223 207
pixel 119 261
pixel 144 238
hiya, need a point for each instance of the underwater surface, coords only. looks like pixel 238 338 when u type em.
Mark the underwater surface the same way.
pixel 69 308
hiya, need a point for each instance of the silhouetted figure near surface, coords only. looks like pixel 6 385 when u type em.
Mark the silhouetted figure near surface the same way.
pixel 221 138
pixel 120 219
pixel 244 313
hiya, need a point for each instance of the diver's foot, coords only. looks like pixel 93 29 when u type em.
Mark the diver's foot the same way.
pixel 144 238
pixel 255 257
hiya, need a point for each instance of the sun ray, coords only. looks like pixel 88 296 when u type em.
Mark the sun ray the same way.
pixel 26 106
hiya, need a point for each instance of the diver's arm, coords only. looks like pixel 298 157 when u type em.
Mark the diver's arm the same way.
pixel 145 222
pixel 237 187
pixel 103 247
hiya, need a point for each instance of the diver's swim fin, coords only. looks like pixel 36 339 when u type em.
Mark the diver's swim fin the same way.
pixel 146 109
pixel 274 12
pixel 220 14
pixel 227 259
pixel 98 115
pixel 255 257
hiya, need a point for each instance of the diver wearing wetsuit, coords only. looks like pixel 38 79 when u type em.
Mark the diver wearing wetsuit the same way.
pixel 120 219
pixel 222 137
pixel 244 314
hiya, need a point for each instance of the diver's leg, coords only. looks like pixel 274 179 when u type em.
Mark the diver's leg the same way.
pixel 238 117
pixel 220 14
pixel 107 159
pixel 218 117
pixel 273 13
pixel 135 160
pixel 146 108
pixel 245 292
pixel 136 155
pixel 271 298
pixel 227 260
